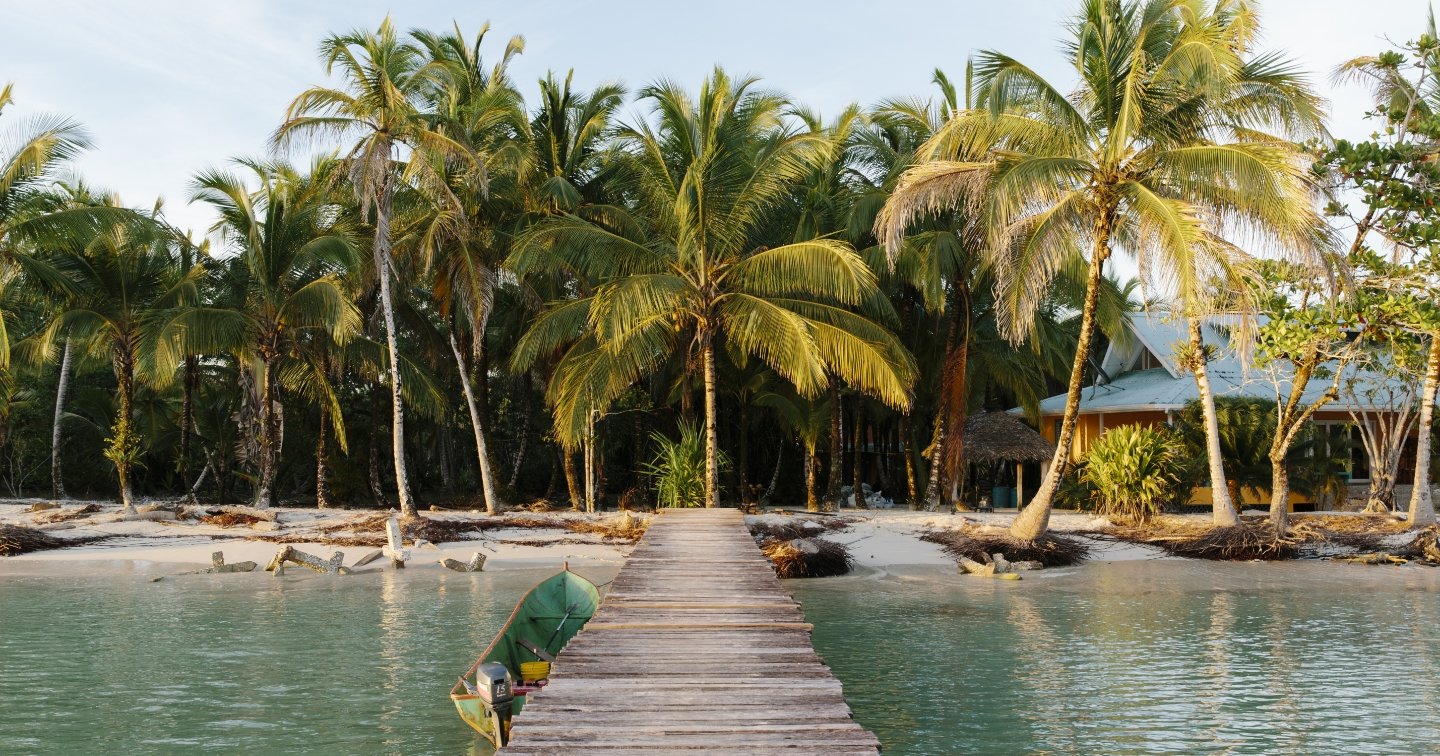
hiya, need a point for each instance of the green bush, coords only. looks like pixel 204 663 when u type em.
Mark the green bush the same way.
pixel 1134 470
pixel 678 469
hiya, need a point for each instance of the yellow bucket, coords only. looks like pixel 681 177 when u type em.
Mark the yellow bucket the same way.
pixel 535 670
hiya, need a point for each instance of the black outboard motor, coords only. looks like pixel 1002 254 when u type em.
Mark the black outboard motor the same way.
pixel 497 690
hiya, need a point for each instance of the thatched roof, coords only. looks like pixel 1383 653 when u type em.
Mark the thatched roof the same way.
pixel 1002 437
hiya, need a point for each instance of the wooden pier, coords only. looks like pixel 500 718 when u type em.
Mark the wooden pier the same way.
pixel 697 647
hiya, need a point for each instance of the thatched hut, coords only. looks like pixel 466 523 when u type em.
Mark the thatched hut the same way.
pixel 996 440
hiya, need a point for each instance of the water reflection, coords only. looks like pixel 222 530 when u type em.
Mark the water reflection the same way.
pixel 1158 657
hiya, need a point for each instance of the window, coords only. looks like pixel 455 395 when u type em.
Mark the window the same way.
pixel 1341 440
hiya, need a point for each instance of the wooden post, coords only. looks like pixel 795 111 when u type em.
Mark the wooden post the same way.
pixel 395 550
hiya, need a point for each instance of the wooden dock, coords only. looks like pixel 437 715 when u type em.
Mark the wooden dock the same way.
pixel 697 647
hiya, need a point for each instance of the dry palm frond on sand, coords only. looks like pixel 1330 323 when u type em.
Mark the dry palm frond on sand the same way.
pixel 807 557
pixel 15 539
pixel 978 543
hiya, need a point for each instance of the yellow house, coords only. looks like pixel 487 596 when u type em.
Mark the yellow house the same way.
pixel 1139 381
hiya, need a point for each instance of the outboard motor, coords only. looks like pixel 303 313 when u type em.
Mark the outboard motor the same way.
pixel 497 690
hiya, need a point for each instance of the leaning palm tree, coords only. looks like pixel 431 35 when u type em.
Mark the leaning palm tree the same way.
pixel 282 283
pixel 378 111
pixel 1176 133
pixel 682 276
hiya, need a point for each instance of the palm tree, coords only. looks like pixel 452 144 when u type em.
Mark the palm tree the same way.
pixel 1165 142
pixel 457 234
pixel 111 291
pixel 386 82
pixel 283 283
pixel 683 276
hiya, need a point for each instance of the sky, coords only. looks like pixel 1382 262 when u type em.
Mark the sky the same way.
pixel 169 87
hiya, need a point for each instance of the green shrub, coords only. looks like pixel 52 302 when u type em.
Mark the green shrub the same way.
pixel 678 469
pixel 1134 470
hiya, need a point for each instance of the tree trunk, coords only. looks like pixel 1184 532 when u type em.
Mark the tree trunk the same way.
pixel 956 397
pixel 937 464
pixel 482 455
pixel 812 499
pixel 322 462
pixel 775 474
pixel 1422 507
pixel 1224 507
pixel 910 486
pixel 857 472
pixel 187 416
pixel 57 478
pixel 519 459
pixel 1279 495
pixel 269 435
pixel 1034 520
pixel 743 467
pixel 571 483
pixel 837 457
pixel 123 442
pixel 712 444
pixel 387 305
pixel 377 487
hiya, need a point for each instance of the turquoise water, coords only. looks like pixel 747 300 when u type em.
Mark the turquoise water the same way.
pixel 245 663
pixel 1140 657
pixel 1145 657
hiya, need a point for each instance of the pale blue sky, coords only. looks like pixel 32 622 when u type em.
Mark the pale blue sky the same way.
pixel 170 86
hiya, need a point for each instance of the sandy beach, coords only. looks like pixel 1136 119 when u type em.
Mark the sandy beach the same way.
pixel 877 539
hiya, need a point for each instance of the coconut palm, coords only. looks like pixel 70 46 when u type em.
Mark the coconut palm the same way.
pixel 378 110
pixel 282 284
pixel 111 290
pixel 1176 131
pixel 683 276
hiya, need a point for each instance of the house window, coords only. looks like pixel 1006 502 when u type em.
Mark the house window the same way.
pixel 1342 442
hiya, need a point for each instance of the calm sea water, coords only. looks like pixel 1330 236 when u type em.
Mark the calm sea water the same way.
pixel 1121 658
pixel 1140 657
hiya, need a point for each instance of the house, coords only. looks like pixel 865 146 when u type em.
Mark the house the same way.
pixel 1139 380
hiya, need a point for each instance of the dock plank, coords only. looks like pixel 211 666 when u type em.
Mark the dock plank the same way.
pixel 697 647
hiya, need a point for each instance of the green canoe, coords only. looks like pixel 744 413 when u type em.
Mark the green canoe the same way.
pixel 547 617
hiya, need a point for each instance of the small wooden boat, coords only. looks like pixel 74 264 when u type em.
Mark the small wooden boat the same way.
pixel 518 661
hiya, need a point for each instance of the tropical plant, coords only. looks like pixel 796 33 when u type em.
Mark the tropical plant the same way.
pixel 1175 133
pixel 682 274
pixel 1134 470
pixel 678 468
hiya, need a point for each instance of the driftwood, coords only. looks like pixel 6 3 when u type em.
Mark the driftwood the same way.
pixel 42 506
pixel 368 558
pixel 262 514
pixel 395 544
pixel 291 554
pixel 476 564
pixel 133 516
pixel 972 567
pixel 217 561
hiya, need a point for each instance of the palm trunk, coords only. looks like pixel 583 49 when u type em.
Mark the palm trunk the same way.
pixel 812 499
pixel 387 305
pixel 743 468
pixel 1034 520
pixel 519 459
pixel 774 474
pixel 269 436
pixel 857 493
pixel 322 461
pixel 712 441
pixel 837 458
pixel 910 486
pixel 1223 506
pixel 937 464
pixel 123 442
pixel 1422 506
pixel 957 394
pixel 187 416
pixel 571 484
pixel 487 480
pixel 57 478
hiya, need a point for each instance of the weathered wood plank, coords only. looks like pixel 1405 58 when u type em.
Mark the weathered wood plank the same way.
pixel 694 626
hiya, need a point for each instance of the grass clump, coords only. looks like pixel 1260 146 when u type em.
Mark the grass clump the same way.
pixel 978 543
pixel 807 557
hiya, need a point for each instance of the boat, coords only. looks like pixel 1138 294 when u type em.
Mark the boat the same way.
pixel 518 661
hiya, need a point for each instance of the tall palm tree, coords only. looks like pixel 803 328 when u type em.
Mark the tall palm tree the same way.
pixel 378 109
pixel 458 233
pixel 112 290
pixel 283 283
pixel 1176 132
pixel 682 274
